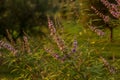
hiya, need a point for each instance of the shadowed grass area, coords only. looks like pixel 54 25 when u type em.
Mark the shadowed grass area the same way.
pixel 5 73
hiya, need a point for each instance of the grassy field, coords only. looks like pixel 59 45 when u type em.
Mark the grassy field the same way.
pixel 102 44
pixel 85 37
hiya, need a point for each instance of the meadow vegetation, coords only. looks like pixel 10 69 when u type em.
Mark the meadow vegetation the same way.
pixel 63 47
pixel 95 57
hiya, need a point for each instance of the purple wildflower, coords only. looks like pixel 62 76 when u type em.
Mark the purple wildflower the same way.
pixel 56 37
pixel 113 8
pixel 97 31
pixel 104 17
pixel 74 46
pixel 8 47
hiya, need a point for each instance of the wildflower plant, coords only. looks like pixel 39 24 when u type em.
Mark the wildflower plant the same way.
pixel 8 47
pixel 18 59
pixel 104 14
pixel 73 63
pixel 56 60
pixel 60 42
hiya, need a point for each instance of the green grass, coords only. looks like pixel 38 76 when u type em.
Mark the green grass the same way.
pixel 102 44
pixel 5 73
pixel 98 45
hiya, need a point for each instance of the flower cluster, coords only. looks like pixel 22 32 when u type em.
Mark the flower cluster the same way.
pixel 55 55
pixel 74 46
pixel 118 2
pixel 51 27
pixel 104 17
pixel 60 44
pixel 65 56
pixel 26 44
pixel 56 37
pixel 109 67
pixel 8 47
pixel 96 30
pixel 113 8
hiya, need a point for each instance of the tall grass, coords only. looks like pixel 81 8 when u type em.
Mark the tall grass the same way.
pixel 65 56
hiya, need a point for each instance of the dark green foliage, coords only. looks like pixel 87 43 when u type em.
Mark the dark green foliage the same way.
pixel 20 16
